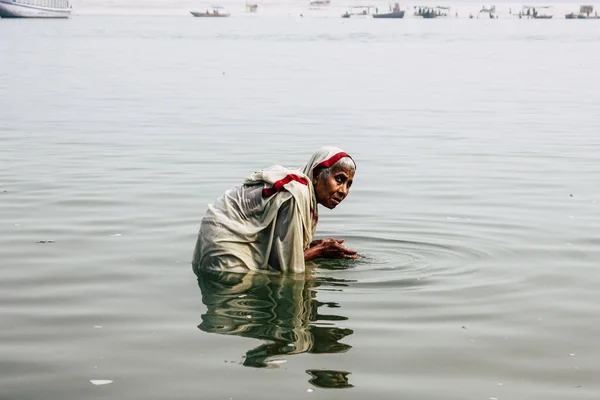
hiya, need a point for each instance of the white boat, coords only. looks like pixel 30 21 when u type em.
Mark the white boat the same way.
pixel 358 12
pixel 537 12
pixel 212 12
pixel 251 7
pixel 431 11
pixel 318 4
pixel 35 8
pixel 585 12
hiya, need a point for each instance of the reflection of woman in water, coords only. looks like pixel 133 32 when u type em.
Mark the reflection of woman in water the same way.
pixel 280 309
pixel 268 222
pixel 329 379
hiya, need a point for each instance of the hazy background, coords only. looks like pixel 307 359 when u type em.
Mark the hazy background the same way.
pixel 281 8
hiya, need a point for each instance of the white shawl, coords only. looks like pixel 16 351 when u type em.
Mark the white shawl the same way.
pixel 265 224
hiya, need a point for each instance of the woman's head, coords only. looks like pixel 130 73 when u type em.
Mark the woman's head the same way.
pixel 331 171
pixel 332 183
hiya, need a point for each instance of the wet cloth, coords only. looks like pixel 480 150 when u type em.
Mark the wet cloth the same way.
pixel 266 223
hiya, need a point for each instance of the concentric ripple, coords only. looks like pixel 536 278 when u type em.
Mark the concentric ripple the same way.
pixel 403 262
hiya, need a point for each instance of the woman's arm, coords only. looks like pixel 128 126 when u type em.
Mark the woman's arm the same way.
pixel 287 252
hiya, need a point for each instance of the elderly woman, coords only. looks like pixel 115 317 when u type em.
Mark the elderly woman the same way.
pixel 268 222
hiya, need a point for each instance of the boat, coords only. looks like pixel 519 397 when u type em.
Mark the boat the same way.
pixel 490 10
pixel 584 13
pixel 543 15
pixel 357 12
pixel 536 12
pixel 317 4
pixel 35 8
pixel 431 12
pixel 212 12
pixel 395 12
pixel 251 7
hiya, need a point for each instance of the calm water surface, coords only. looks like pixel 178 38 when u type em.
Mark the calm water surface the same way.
pixel 476 208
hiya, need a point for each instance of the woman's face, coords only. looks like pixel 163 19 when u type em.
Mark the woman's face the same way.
pixel 332 190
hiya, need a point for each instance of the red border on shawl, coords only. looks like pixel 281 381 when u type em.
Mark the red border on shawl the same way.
pixel 278 185
pixel 332 160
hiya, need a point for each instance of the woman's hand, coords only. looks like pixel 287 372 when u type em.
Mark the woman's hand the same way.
pixel 315 242
pixel 328 248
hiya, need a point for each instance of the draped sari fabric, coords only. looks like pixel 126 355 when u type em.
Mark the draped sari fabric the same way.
pixel 266 223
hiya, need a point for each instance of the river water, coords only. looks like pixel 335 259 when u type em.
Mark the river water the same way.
pixel 475 207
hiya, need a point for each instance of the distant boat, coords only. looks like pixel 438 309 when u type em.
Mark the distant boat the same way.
pixel 491 11
pixel 35 8
pixel 395 12
pixel 358 12
pixel 431 12
pixel 252 7
pixel 320 2
pixel 536 12
pixel 212 12
pixel 584 13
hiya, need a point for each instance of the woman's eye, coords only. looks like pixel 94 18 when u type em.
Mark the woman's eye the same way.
pixel 339 179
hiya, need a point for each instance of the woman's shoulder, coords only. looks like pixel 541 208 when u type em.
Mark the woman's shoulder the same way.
pixel 277 179
pixel 277 174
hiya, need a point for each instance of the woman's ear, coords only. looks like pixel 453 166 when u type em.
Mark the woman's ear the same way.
pixel 314 176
